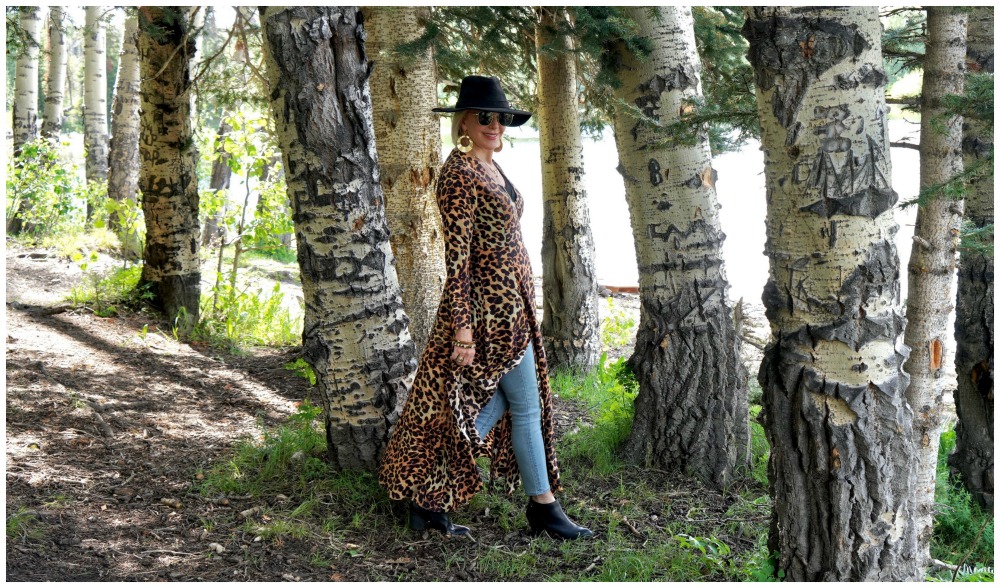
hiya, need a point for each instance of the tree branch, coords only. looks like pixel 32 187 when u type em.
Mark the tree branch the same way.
pixel 905 145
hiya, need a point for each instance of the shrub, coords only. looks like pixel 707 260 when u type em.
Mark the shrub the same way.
pixel 40 189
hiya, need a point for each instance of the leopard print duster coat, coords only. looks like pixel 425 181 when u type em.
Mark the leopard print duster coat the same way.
pixel 430 458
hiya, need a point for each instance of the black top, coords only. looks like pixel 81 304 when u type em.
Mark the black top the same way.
pixel 510 187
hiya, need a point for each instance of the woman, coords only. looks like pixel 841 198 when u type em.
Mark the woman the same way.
pixel 481 389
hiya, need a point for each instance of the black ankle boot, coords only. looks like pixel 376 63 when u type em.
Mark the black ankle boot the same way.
pixel 550 517
pixel 421 518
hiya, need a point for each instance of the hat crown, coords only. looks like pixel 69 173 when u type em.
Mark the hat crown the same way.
pixel 481 92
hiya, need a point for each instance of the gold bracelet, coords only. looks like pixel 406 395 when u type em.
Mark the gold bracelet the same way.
pixel 464 344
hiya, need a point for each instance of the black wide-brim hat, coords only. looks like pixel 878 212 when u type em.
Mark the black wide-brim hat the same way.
pixel 483 93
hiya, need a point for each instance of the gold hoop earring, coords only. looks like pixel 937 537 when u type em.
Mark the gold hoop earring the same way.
pixel 500 148
pixel 464 144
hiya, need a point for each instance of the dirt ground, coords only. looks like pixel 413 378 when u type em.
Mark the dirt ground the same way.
pixel 109 421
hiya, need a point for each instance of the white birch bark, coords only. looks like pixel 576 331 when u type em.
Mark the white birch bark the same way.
pixel 95 95
pixel 168 158
pixel 123 153
pixel 835 413
pixel 691 411
pixel 974 326
pixel 25 117
pixel 25 112
pixel 56 82
pixel 408 138
pixel 355 334
pixel 933 257
pixel 570 324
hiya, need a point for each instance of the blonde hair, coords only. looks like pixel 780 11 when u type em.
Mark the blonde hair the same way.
pixel 456 126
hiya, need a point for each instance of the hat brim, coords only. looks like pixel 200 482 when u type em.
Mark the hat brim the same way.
pixel 520 116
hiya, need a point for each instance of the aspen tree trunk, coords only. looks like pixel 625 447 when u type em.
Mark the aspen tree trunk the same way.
pixel 570 323
pixel 54 89
pixel 933 257
pixel 691 411
pixel 834 410
pixel 25 117
pixel 95 96
pixel 355 333
pixel 973 456
pixel 408 137
pixel 123 154
pixel 221 176
pixel 169 159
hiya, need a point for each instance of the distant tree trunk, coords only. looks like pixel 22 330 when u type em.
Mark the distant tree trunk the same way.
pixel 841 470
pixel 691 412
pixel 123 154
pixel 974 351
pixel 25 115
pixel 933 257
pixel 169 159
pixel 54 93
pixel 25 118
pixel 570 324
pixel 408 137
pixel 95 92
pixel 355 335
pixel 221 176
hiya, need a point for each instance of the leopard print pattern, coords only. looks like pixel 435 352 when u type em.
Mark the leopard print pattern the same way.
pixel 431 455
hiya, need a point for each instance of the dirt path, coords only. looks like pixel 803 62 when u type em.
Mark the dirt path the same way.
pixel 107 428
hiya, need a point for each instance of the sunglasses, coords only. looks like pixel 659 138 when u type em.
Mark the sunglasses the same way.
pixel 486 118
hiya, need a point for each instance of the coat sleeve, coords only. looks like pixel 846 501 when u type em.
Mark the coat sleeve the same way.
pixel 456 196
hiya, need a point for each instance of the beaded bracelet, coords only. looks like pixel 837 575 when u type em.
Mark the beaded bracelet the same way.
pixel 464 344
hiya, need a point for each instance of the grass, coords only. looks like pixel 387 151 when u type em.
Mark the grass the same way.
pixel 608 394
pixel 959 520
pixel 105 295
pixel 23 526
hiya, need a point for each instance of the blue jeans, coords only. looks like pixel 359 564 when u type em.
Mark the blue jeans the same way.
pixel 518 390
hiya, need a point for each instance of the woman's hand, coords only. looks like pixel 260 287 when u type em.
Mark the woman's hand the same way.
pixel 463 348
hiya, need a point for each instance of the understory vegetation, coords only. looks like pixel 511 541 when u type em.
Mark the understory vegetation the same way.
pixel 650 525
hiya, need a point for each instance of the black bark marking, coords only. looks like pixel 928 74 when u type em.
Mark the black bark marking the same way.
pixel 679 78
pixel 798 50
pixel 858 187
pixel 655 177
pixel 876 277
pixel 866 75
